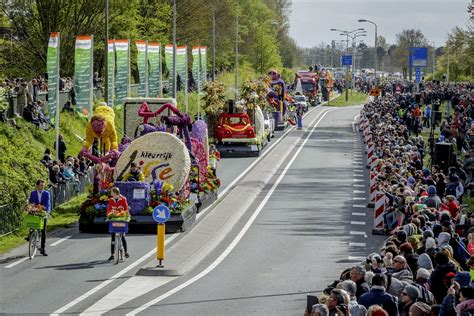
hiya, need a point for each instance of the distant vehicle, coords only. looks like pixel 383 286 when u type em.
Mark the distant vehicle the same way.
pixel 309 84
pixel 269 122
pixel 301 101
pixel 235 128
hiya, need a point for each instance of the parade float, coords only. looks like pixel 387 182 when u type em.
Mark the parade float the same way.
pixel 173 160
pixel 276 97
pixel 241 130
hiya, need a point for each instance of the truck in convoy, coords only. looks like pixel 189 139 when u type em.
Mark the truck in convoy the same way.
pixel 309 84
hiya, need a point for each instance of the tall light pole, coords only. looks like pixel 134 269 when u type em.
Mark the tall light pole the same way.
pixel 347 33
pixel 213 44
pixel 434 59
pixel 106 51
pixel 175 81
pixel 354 38
pixel 236 70
pixel 375 46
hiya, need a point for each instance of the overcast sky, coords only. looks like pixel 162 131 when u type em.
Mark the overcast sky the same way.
pixel 311 20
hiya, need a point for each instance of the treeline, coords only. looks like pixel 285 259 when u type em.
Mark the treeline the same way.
pixel 264 39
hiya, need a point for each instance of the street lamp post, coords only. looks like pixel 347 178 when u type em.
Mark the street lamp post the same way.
pixel 347 34
pixel 236 70
pixel 175 81
pixel 434 59
pixel 214 45
pixel 375 46
pixel 106 51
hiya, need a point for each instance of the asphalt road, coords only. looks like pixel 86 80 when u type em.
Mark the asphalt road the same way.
pixel 77 263
pixel 310 227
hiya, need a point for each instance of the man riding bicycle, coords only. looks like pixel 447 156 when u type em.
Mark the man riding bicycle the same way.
pixel 41 197
pixel 118 205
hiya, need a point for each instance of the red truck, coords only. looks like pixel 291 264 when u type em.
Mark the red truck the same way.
pixel 309 85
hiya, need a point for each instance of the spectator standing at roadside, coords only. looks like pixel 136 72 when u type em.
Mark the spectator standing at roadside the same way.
pixel 379 296
pixel 357 275
pixel 22 96
pixel 62 148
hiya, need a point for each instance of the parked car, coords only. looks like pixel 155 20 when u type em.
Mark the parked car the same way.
pixel 301 101
pixel 269 122
pixel 235 128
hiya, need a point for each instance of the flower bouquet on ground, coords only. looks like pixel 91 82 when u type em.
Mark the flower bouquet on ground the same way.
pixel 36 210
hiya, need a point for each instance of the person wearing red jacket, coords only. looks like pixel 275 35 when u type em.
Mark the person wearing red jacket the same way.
pixel 118 205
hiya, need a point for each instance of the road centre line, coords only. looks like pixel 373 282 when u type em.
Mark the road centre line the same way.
pixel 11 265
pixel 60 241
pixel 153 251
pixel 237 238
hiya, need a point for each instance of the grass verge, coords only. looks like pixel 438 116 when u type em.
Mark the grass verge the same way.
pixel 354 98
pixel 62 216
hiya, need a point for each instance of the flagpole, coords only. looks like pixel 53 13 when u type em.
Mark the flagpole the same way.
pixel 199 83
pixel 146 69
pixel 186 97
pixel 58 108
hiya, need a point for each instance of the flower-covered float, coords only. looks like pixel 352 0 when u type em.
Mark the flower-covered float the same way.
pixel 171 160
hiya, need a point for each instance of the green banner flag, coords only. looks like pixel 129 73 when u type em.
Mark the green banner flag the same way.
pixel 122 51
pixel 203 65
pixel 142 65
pixel 111 73
pixel 83 63
pixel 154 80
pixel 181 60
pixel 53 75
pixel 169 66
pixel 195 68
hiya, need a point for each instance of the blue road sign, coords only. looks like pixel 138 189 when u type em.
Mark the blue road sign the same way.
pixel 161 214
pixel 417 74
pixel 346 60
pixel 418 57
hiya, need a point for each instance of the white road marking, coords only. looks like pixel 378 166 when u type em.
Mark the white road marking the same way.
pixel 110 280
pixel 358 214
pixel 357 198
pixel 358 192
pixel 358 180
pixel 129 290
pixel 358 171
pixel 60 241
pixel 357 244
pixel 14 263
pixel 151 252
pixel 357 223
pixel 359 185
pixel 358 233
pixel 359 206
pixel 358 175
pixel 241 234
pixel 352 258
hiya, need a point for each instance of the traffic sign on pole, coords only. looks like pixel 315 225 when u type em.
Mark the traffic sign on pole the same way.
pixel 418 74
pixel 161 214
pixel 346 60
pixel 418 57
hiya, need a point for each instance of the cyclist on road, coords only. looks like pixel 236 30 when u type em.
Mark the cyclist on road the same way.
pixel 41 197
pixel 118 204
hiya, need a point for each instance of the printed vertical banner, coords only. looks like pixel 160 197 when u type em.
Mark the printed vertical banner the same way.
pixel 111 73
pixel 52 66
pixel 169 66
pixel 122 71
pixel 83 58
pixel 142 67
pixel 154 59
pixel 195 68
pixel 181 60
pixel 203 65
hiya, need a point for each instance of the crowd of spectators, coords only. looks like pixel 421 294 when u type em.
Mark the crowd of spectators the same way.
pixel 426 266
pixel 66 168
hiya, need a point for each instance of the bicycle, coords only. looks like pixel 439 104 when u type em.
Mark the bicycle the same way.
pixel 35 224
pixel 119 228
